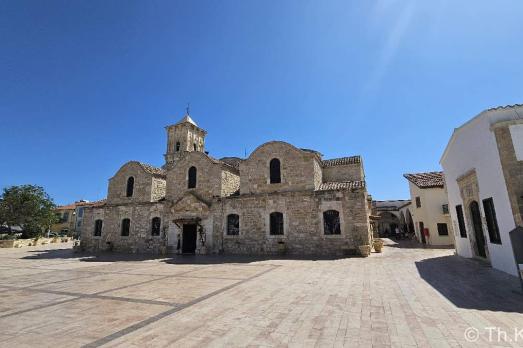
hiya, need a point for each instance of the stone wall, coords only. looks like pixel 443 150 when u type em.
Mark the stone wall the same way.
pixel 143 185
pixel 318 174
pixel 158 188
pixel 230 183
pixel 139 239
pixel 208 177
pixel 187 135
pixel 297 169
pixel 349 172
pixel 512 168
pixel 303 222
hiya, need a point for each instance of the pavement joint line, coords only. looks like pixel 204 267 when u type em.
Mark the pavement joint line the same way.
pixel 141 283
pixel 159 316
pixel 180 275
pixel 79 296
pixel 97 294
pixel 39 307
pixel 57 281
pixel 131 285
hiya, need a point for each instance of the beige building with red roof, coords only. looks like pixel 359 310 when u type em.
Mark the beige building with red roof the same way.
pixel 429 208
pixel 70 216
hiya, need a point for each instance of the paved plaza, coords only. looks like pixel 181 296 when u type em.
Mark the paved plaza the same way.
pixel 405 297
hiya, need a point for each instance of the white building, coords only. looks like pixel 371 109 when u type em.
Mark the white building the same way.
pixel 483 165
pixel 429 208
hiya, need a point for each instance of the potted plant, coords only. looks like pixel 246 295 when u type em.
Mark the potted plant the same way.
pixel 364 250
pixel 377 244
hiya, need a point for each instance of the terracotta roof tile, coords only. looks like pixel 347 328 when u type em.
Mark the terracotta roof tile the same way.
pixel 66 207
pixel 99 203
pixel 426 180
pixel 152 170
pixel 341 161
pixel 342 185
pixel 503 107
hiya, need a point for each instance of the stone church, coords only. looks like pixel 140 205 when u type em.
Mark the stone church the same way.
pixel 280 199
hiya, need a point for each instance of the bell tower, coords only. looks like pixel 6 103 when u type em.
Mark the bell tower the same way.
pixel 184 136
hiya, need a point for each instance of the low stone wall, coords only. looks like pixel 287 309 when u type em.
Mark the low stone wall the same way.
pixel 20 243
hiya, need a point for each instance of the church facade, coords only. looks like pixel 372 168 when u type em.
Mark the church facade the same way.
pixel 280 199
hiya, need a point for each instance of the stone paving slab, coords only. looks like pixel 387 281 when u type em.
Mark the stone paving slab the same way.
pixel 173 290
pixel 13 301
pixel 407 296
pixel 80 321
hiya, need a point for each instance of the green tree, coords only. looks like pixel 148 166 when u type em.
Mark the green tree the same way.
pixel 29 207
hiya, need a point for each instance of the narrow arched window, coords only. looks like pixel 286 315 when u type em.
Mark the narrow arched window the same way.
pixel 177 146
pixel 191 182
pixel 331 222
pixel 275 171
pixel 126 226
pixel 276 222
pixel 130 187
pixel 233 225
pixel 194 146
pixel 98 228
pixel 156 222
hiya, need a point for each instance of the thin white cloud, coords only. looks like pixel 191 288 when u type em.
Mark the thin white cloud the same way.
pixel 394 39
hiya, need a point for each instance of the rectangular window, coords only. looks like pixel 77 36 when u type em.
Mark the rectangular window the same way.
pixel 233 225
pixel 156 224
pixel 65 217
pixel 276 224
pixel 443 230
pixel 80 212
pixel 445 209
pixel 98 228
pixel 461 221
pixel 126 224
pixel 492 222
pixel 418 202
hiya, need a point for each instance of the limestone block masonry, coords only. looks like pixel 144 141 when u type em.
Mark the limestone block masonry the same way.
pixel 199 204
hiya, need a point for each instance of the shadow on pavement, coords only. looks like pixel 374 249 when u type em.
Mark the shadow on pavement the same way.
pixel 169 258
pixel 471 284
pixel 412 244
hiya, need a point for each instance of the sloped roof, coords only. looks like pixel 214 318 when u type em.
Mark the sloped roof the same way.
pixel 186 118
pixel 231 161
pixel 426 180
pixel 152 169
pixel 66 207
pixel 92 204
pixel 312 151
pixel 504 107
pixel 341 161
pixel 341 185
pixel 494 115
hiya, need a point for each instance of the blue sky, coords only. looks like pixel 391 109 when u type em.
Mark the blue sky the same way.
pixel 87 85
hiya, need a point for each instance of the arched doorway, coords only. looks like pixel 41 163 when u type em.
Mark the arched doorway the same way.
pixel 387 224
pixel 478 229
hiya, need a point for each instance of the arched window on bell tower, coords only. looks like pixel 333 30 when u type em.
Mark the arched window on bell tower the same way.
pixel 183 136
